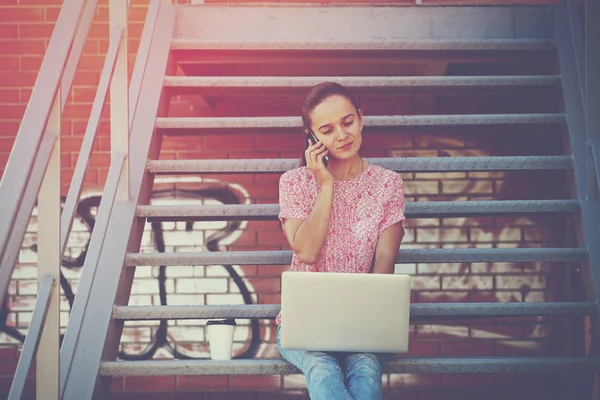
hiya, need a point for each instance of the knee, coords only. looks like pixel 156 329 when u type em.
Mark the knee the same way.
pixel 365 365
pixel 323 368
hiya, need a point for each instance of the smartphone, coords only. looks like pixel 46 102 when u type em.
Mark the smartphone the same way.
pixel 315 140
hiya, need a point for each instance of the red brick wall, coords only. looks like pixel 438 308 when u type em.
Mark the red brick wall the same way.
pixel 24 32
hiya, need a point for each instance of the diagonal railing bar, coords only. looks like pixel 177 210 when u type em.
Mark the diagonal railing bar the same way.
pixel 32 340
pixel 27 163
pixel 142 59
pixel 73 196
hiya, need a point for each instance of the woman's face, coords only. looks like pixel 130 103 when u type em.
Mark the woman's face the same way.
pixel 335 123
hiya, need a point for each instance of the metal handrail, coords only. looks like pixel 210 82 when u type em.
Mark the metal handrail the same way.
pixel 25 168
pixel 74 194
pixel 32 340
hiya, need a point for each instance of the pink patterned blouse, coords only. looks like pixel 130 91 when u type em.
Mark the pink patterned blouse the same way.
pixel 363 207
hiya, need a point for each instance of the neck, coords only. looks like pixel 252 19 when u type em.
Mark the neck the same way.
pixel 344 170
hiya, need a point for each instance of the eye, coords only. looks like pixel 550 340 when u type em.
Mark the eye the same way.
pixel 327 132
pixel 348 123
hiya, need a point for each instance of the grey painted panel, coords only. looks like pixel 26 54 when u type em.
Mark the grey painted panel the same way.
pixel 303 23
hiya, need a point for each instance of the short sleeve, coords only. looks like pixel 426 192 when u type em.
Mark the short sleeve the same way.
pixel 294 201
pixel 393 206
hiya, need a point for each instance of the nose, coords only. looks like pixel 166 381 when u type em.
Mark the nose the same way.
pixel 341 135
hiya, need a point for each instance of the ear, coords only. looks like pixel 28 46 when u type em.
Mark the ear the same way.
pixel 360 118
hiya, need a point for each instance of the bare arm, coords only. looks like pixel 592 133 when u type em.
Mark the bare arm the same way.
pixel 307 237
pixel 387 248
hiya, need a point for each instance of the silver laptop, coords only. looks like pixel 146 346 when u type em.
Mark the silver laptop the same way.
pixel 345 312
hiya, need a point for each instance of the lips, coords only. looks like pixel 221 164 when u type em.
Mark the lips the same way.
pixel 346 146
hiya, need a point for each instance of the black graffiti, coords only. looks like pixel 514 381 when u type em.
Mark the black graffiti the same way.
pixel 160 338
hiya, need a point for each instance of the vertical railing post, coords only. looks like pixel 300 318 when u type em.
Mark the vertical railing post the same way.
pixel 49 261
pixel 119 96
pixel 592 69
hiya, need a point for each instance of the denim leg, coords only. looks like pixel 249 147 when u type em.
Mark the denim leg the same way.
pixel 363 373
pixel 324 376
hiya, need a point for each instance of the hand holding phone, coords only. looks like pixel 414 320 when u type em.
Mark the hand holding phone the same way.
pixel 315 141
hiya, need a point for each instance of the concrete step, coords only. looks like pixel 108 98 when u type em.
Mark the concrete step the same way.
pixel 195 125
pixel 434 209
pixel 433 365
pixel 405 256
pixel 417 311
pixel 411 164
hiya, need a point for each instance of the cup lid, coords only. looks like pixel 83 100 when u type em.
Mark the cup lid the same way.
pixel 227 321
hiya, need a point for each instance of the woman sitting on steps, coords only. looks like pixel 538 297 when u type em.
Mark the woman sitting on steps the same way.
pixel 347 216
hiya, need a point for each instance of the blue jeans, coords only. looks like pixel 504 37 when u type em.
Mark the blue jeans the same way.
pixel 338 376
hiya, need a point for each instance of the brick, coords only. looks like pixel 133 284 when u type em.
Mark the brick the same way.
pixel 29 46
pixel 469 380
pixel 77 110
pixel 31 63
pixel 496 331
pixel 280 142
pixel 493 296
pixel 258 285
pixel 11 111
pixel 454 348
pixel 136 13
pixel 423 348
pixel 35 31
pixel 540 234
pixel 438 142
pixel 480 222
pixel 464 187
pixel 440 175
pixel 229 142
pixel 442 332
pixel 521 282
pixel 425 282
pixel 412 188
pixel 9 63
pixel 399 394
pixel 467 282
pixel 283 395
pixel 257 382
pixel 232 395
pixel 213 382
pixel 146 383
pixel 269 298
pixel 130 396
pixel 202 285
pixel 520 348
pixel 414 380
pixel 272 238
pixel 183 143
pixel 496 268
pixel 21 14
pixel 495 234
pixel 136 334
pixel 436 235
pixel 258 154
pixel 390 142
pixel 226 299
pixel 443 297
pixel 117 384
pixel 9 31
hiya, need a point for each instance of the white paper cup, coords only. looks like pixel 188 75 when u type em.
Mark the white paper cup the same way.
pixel 220 337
